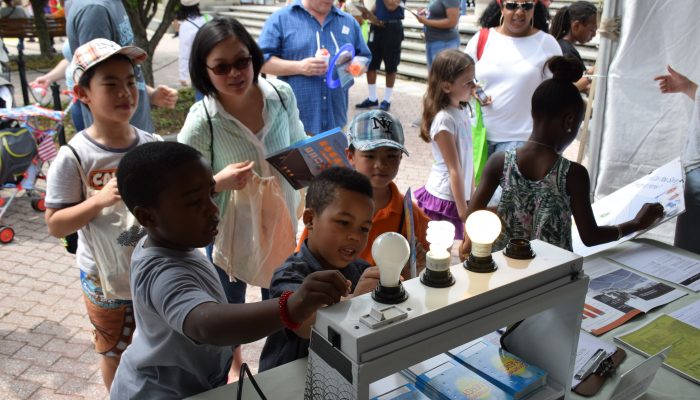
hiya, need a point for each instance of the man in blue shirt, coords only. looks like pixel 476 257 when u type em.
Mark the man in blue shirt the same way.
pixel 290 39
pixel 385 44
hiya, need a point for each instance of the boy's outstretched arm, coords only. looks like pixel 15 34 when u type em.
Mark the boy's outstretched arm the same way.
pixel 228 324
pixel 578 186
pixel 64 221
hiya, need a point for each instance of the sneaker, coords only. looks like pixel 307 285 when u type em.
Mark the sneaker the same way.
pixel 367 103
pixel 385 105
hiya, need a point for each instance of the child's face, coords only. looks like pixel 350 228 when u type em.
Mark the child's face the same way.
pixel 186 215
pixel 112 94
pixel 380 165
pixel 461 89
pixel 339 233
pixel 231 53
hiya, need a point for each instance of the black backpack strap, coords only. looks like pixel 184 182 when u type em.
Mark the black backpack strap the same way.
pixel 79 166
pixel 211 132
pixel 278 94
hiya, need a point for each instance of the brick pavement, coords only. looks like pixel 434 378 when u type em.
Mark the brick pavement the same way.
pixel 45 338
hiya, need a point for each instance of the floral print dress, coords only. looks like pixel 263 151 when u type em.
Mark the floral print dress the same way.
pixel 534 209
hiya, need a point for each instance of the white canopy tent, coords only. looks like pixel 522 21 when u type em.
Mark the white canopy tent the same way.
pixel 635 129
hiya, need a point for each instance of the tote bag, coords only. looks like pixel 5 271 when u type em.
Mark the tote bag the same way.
pixel 481 147
pixel 256 234
pixel 111 237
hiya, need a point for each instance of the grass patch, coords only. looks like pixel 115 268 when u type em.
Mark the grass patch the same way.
pixel 36 62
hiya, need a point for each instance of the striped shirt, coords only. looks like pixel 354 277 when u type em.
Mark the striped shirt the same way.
pixel 234 142
pixel 291 34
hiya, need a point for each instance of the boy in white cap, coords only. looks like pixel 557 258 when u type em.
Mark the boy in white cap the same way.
pixel 82 194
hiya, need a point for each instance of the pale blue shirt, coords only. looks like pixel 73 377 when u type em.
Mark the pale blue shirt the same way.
pixel 290 34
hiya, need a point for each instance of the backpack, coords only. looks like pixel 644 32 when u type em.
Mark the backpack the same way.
pixel 17 150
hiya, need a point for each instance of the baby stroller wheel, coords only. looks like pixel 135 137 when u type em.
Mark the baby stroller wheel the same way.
pixel 38 205
pixel 6 234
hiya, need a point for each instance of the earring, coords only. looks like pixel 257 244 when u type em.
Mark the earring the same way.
pixel 502 18
pixel 532 22
pixel 568 130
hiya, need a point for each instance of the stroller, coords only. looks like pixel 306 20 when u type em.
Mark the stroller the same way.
pixel 26 142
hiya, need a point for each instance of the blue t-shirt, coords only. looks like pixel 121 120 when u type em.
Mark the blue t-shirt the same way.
pixel 285 346
pixel 385 15
pixel 107 19
pixel 290 34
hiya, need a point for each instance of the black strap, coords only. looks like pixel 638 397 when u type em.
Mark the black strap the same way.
pixel 79 166
pixel 278 94
pixel 211 132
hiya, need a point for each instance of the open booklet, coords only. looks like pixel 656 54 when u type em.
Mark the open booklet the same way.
pixel 303 160
pixel 681 330
pixel 616 295
pixel 663 185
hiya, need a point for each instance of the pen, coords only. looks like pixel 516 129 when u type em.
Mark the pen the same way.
pixel 591 365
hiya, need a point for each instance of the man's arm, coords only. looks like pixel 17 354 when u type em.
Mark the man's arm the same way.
pixel 310 66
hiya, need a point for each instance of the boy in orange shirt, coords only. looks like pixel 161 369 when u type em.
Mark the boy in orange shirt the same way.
pixel 375 150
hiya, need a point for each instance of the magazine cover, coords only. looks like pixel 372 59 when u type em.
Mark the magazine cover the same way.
pixel 302 161
pixel 501 368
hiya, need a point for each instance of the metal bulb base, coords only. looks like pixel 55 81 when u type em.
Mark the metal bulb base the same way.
pixel 480 264
pixel 437 279
pixel 389 294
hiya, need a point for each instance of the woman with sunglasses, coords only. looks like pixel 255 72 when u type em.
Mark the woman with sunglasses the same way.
pixel 240 120
pixel 510 67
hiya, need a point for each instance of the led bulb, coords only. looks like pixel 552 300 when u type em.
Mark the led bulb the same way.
pixel 483 228
pixel 390 252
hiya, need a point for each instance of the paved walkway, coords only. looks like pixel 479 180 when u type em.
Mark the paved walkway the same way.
pixel 45 337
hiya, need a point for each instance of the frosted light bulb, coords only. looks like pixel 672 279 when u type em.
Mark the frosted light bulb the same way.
pixel 440 235
pixel 483 228
pixel 390 252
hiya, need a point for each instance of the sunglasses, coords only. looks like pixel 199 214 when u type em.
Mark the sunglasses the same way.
pixel 225 68
pixel 514 5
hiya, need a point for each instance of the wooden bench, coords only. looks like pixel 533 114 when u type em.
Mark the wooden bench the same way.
pixel 23 28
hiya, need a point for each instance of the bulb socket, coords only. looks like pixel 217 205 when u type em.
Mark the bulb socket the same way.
pixel 480 264
pixel 519 249
pixel 437 279
pixel 389 294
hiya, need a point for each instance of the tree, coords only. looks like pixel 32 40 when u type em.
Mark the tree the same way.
pixel 42 29
pixel 141 12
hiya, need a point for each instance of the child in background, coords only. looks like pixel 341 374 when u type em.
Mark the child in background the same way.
pixel 375 150
pixel 577 22
pixel 542 189
pixel 338 218
pixel 104 78
pixel 446 123
pixel 186 328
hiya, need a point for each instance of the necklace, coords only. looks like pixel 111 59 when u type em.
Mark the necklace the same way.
pixel 549 146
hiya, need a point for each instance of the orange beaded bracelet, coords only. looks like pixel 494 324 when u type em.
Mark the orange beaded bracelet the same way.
pixel 284 316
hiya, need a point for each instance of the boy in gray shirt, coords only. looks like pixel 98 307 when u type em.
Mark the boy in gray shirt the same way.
pixel 185 327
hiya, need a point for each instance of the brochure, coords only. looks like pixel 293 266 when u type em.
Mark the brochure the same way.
pixel 302 161
pixel 668 330
pixel 501 368
pixel 410 230
pixel 663 185
pixel 616 295
pixel 661 263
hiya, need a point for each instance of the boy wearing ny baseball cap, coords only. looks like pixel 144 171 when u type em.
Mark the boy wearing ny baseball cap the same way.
pixel 82 194
pixel 376 147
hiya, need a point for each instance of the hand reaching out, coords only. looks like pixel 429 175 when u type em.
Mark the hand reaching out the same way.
pixel 163 96
pixel 319 289
pixel 368 281
pixel 234 176
pixel 675 82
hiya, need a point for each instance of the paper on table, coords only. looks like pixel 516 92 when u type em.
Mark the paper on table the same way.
pixel 689 314
pixel 663 185
pixel 615 295
pixel 587 347
pixel 661 263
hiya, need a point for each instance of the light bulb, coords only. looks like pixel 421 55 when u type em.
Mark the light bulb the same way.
pixel 441 236
pixel 390 252
pixel 483 228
